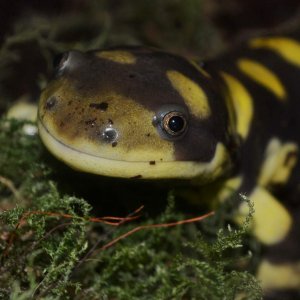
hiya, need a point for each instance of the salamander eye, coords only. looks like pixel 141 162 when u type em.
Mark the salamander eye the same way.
pixel 68 61
pixel 171 122
pixel 174 123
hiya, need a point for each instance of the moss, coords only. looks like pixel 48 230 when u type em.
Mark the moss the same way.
pixel 48 256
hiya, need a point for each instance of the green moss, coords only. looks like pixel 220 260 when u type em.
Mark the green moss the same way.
pixel 47 258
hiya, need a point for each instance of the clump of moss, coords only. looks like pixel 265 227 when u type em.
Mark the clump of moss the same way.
pixel 47 258
pixel 26 187
pixel 177 263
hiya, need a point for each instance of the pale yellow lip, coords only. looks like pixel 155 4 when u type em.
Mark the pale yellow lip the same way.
pixel 128 169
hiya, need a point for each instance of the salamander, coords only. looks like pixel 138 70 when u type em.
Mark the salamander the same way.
pixel 138 112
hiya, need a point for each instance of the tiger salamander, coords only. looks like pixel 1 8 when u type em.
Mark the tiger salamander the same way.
pixel 138 112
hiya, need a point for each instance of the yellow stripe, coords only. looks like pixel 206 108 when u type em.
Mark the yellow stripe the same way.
pixel 242 104
pixel 280 160
pixel 263 76
pixel 289 49
pixel 193 95
pixel 118 56
pixel 279 276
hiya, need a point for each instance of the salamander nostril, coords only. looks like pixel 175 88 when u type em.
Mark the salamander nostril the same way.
pixel 109 135
pixel 50 102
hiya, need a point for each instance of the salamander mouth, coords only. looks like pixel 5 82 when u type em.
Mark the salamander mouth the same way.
pixel 90 163
pixel 44 130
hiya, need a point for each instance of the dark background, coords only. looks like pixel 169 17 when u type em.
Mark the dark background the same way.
pixel 32 32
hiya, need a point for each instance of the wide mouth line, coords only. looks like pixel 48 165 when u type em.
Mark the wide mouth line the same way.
pixel 91 155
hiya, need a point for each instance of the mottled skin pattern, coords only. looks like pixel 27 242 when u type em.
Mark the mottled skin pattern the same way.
pixel 271 118
pixel 92 93
pixel 108 105
pixel 97 80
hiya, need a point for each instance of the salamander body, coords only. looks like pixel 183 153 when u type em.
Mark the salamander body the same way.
pixel 137 112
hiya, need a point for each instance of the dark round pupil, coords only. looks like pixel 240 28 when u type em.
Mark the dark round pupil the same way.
pixel 176 123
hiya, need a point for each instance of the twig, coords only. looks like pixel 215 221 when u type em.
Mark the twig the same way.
pixel 95 246
pixel 155 226
pixel 113 221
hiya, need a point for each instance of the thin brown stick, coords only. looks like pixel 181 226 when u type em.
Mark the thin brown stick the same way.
pixel 172 224
pixel 91 251
pixel 109 220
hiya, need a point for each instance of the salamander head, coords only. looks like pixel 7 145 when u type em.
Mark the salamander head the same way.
pixel 134 112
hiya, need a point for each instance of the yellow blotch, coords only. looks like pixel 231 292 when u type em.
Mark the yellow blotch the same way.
pixel 281 276
pixel 230 186
pixel 242 104
pixel 289 49
pixel 279 162
pixel 263 76
pixel 122 57
pixel 271 221
pixel 194 96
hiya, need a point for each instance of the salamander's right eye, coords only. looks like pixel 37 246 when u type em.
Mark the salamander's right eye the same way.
pixel 174 123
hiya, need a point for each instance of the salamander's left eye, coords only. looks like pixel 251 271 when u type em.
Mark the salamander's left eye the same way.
pixel 60 62
pixel 68 61
pixel 171 121
pixel 174 123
